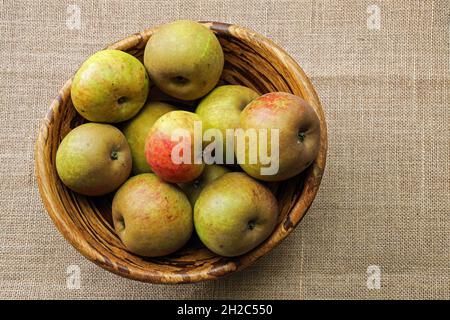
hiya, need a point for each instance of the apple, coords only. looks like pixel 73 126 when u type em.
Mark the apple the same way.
pixel 110 86
pixel 222 107
pixel 299 133
pixel 93 159
pixel 136 131
pixel 234 214
pixel 184 59
pixel 163 144
pixel 194 188
pixel 152 218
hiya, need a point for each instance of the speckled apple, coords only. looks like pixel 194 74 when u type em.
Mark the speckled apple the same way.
pixel 234 214
pixel 299 133
pixel 184 59
pixel 222 107
pixel 137 129
pixel 110 86
pixel 209 174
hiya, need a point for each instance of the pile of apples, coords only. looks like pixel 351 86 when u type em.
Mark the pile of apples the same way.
pixel 156 210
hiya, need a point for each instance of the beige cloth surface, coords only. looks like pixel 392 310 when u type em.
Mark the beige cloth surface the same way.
pixel 384 199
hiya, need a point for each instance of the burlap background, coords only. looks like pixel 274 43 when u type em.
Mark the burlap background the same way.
pixel 384 199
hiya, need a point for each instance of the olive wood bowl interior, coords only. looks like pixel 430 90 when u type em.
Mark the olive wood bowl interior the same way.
pixel 251 60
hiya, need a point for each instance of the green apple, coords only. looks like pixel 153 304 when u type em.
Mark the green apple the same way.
pixel 184 59
pixel 222 107
pixel 93 159
pixel 298 129
pixel 172 136
pixel 136 131
pixel 209 174
pixel 110 86
pixel 234 214
pixel 152 218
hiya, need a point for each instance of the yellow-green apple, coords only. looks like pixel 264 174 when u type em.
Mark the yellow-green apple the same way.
pixel 110 86
pixel 184 59
pixel 234 214
pixel 137 129
pixel 298 131
pixel 170 147
pixel 152 218
pixel 221 110
pixel 93 159
pixel 209 174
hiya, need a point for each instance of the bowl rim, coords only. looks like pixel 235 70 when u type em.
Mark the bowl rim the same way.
pixel 313 175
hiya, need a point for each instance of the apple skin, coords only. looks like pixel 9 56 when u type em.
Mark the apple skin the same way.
pixel 158 147
pixel 209 174
pixel 152 218
pixel 234 214
pixel 222 107
pixel 184 59
pixel 155 94
pixel 299 132
pixel 110 86
pixel 93 159
pixel 137 129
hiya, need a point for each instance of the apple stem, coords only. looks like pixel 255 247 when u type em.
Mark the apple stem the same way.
pixel 114 155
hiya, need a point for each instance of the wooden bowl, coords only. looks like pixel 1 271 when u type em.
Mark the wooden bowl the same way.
pixel 251 60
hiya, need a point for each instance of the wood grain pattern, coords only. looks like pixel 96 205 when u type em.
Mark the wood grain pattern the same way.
pixel 251 60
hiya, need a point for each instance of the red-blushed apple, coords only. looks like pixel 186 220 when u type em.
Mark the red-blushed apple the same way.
pixel 234 214
pixel 152 218
pixel 93 159
pixel 298 131
pixel 221 109
pixel 170 148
